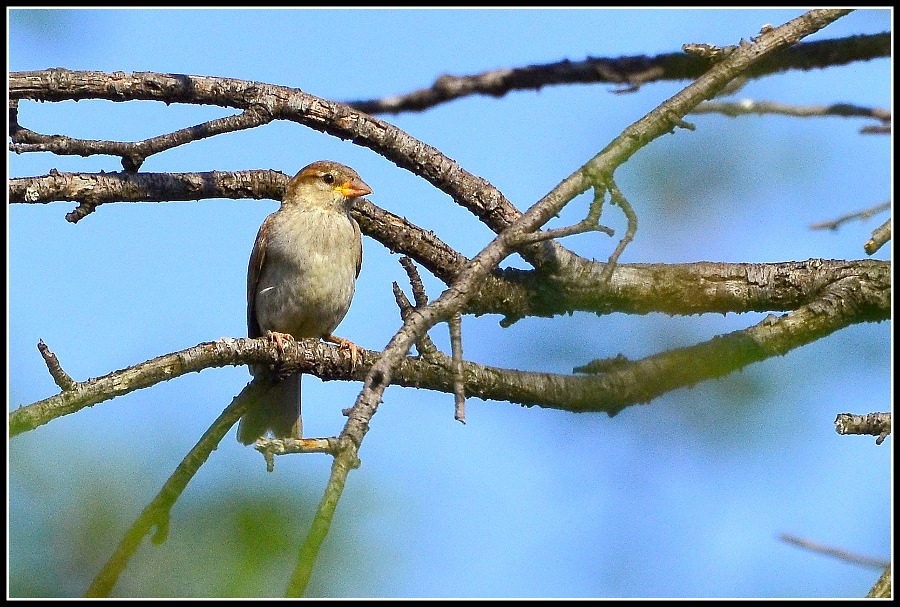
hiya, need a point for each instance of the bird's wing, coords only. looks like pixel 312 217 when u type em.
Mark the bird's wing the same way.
pixel 254 271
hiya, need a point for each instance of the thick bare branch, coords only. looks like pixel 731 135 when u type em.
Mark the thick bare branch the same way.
pixel 470 191
pixel 577 285
pixel 609 388
pixel 94 189
pixel 280 102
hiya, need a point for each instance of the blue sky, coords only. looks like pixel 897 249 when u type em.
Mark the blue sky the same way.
pixel 683 497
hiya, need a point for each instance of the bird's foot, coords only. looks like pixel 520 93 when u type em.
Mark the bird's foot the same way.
pixel 280 339
pixel 345 344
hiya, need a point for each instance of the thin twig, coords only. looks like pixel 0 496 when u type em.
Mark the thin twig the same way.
pixel 425 347
pixel 285 446
pixel 415 281
pixel 156 513
pixel 459 386
pixel 878 129
pixel 834 224
pixel 62 379
pixel 591 223
pixel 749 106
pixel 876 424
pixel 134 153
pixel 839 553
pixel 618 199
pixel 880 236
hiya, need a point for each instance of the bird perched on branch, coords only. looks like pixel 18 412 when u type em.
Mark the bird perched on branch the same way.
pixel 300 282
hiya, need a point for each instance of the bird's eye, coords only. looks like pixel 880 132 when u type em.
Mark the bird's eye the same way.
pixel 328 178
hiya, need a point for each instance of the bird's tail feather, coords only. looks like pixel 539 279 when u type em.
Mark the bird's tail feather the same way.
pixel 278 411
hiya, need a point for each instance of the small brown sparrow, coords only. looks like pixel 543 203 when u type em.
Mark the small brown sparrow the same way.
pixel 300 282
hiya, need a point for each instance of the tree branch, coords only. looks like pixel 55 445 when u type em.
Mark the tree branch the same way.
pixel 834 224
pixel 578 284
pixel 632 72
pixel 94 189
pixel 839 553
pixel 156 513
pixel 847 300
pixel 656 123
pixel 761 108
pixel 876 424
pixel 825 307
pixel 880 236
pixel 280 102
pixel 133 153
pixel 309 355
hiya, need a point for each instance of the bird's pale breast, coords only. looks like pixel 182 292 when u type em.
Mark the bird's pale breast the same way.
pixel 309 275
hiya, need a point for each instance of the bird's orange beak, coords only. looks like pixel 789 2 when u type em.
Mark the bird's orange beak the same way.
pixel 353 188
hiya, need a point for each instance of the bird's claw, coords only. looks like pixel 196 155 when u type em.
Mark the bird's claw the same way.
pixel 280 340
pixel 346 344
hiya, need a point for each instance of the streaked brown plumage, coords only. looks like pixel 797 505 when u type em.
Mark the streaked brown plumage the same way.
pixel 300 282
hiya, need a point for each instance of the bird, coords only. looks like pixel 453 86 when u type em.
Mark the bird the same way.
pixel 300 283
